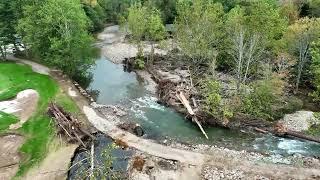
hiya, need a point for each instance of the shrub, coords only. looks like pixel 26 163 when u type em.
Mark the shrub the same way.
pixel 259 102
pixel 139 63
pixel 214 101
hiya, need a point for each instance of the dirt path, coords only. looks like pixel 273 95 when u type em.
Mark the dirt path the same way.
pixel 54 166
pixel 35 66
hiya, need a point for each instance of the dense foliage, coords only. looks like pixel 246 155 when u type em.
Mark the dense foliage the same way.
pixel 61 41
pixel 256 42
pixel 199 30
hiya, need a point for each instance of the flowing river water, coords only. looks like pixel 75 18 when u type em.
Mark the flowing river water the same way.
pixel 117 87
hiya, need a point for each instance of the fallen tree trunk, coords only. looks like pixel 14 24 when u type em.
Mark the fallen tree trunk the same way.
pixel 186 104
pixel 281 131
pixel 301 136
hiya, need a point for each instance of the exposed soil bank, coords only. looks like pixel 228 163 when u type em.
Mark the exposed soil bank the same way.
pixel 9 155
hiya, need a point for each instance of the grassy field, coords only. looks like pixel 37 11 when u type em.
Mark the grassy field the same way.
pixel 39 130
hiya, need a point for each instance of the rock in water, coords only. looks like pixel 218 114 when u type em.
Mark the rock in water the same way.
pixel 132 128
pixel 138 131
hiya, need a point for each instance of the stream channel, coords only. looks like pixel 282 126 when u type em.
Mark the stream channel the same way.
pixel 117 87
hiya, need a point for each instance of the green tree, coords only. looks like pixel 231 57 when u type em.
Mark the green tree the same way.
pixel 155 29
pixel 144 23
pixel 115 8
pixel 290 11
pixel 299 37
pixel 315 68
pixel 314 6
pixel 96 15
pixel 167 9
pixel 251 31
pixel 199 29
pixel 137 23
pixel 8 22
pixel 56 32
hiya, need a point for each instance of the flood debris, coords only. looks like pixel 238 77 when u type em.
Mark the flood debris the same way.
pixel 138 163
pixel 68 125
pixel 121 143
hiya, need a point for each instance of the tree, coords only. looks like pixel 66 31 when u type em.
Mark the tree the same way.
pixel 315 68
pixel 299 38
pixel 144 23
pixel 314 6
pixel 115 8
pixel 167 9
pixel 250 32
pixel 56 32
pixel 137 24
pixel 8 22
pixel 96 15
pixel 199 28
pixel 289 10
pixel 155 29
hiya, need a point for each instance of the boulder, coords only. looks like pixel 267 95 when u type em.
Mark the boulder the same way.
pixel 299 121
pixel 132 128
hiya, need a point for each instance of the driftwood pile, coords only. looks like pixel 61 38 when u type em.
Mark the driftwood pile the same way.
pixel 69 126
pixel 179 94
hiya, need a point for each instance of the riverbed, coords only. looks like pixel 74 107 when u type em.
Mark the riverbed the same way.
pixel 118 87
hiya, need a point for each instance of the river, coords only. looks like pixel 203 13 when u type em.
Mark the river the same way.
pixel 117 87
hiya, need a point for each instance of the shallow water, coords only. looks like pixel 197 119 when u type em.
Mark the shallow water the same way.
pixel 118 87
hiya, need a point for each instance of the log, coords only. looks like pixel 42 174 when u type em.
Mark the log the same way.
pixel 261 130
pixel 301 136
pixel 186 104
pixel 69 125
pixel 194 102
pixel 195 119
pixel 92 160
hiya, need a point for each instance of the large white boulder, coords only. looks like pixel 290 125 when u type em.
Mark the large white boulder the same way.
pixel 300 120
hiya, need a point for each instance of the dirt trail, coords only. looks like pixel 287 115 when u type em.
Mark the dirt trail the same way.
pixel 54 166
pixel 197 159
pixel 35 66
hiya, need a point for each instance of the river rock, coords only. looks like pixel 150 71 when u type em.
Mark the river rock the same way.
pixel 138 131
pixel 132 128
pixel 299 121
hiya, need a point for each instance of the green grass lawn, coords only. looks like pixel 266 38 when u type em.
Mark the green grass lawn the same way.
pixel 39 129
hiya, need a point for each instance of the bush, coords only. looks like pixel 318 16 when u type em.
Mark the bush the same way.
pixel 259 102
pixel 214 102
pixel 139 63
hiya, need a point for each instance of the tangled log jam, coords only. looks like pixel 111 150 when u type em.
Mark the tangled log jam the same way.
pixel 67 125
